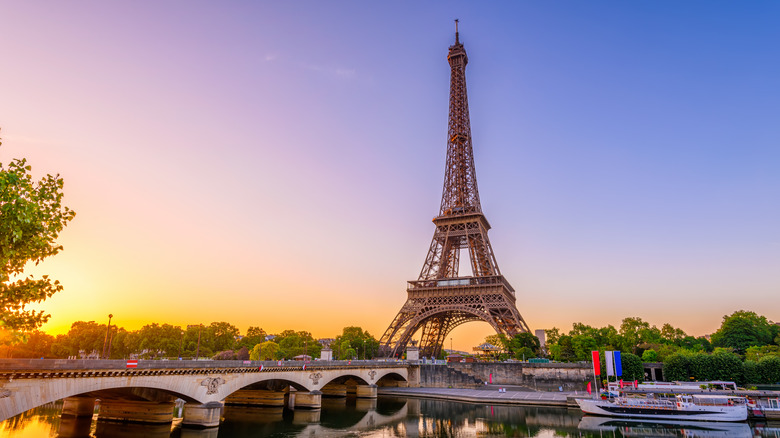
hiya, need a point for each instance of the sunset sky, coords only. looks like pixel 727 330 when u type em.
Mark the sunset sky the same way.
pixel 278 164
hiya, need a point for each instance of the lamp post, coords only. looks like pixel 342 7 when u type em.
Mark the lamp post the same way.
pixel 105 341
pixel 181 343
pixel 197 352
pixel 111 341
pixel 364 349
pixel 304 350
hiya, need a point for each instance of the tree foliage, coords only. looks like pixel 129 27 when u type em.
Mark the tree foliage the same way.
pixel 632 367
pixel 743 329
pixel 31 217
pixel 355 343
pixel 292 343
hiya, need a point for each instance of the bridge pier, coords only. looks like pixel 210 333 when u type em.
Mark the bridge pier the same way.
pixel 366 391
pixel 202 415
pixel 257 397
pixel 334 390
pixel 308 400
pixel 78 407
pixel 136 411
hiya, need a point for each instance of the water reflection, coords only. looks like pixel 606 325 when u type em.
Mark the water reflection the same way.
pixel 383 417
pixel 643 428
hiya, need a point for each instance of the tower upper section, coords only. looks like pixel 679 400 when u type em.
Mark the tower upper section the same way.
pixel 460 194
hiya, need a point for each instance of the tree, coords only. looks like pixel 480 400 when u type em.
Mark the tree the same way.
pixel 743 329
pixel 632 367
pixel 563 350
pixel 292 343
pixel 222 336
pixel 769 369
pixel 756 353
pixel 86 337
pixel 676 367
pixel 38 345
pixel 360 341
pixel 672 335
pixel 552 335
pixel 583 345
pixel 265 351
pixel 254 336
pixel 650 356
pixel 524 346
pixel 634 331
pixel 726 366
pixel 160 340
pixel 32 218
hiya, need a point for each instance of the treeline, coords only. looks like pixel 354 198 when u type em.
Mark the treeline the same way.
pixel 218 340
pixel 745 348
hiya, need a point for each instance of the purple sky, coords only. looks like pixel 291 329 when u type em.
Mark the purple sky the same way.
pixel 278 163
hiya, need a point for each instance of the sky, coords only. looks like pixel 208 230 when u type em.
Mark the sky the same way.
pixel 278 164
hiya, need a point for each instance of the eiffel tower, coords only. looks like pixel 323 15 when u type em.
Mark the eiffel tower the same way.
pixel 440 300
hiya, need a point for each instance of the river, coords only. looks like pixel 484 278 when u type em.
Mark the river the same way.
pixel 383 417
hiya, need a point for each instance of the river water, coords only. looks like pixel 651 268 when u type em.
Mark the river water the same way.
pixel 383 417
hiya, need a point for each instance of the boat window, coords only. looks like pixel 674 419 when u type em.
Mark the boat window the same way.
pixel 773 403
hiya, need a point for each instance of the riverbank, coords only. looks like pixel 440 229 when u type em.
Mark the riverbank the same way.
pixel 491 395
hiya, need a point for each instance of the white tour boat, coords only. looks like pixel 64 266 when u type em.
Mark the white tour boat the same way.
pixel 683 407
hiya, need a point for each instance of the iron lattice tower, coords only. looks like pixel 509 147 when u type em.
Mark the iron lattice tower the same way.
pixel 440 300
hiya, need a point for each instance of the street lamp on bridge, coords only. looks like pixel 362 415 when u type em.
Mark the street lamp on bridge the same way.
pixel 105 341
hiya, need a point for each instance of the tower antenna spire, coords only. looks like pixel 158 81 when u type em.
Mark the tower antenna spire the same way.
pixel 457 40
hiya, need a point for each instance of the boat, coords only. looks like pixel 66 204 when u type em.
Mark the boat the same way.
pixel 770 408
pixel 698 407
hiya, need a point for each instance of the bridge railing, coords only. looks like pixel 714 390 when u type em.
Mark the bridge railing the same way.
pixel 98 364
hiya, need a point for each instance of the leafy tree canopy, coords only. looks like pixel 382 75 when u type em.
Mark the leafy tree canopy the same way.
pixel 355 343
pixel 31 217
pixel 743 329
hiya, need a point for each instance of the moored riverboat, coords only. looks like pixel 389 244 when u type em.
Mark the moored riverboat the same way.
pixel 695 407
pixel 770 408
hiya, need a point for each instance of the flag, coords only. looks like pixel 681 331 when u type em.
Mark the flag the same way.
pixel 261 368
pixel 596 364
pixel 304 366
pixel 132 363
pixel 621 383
pixel 636 384
pixel 618 364
pixel 589 390
pixel 608 358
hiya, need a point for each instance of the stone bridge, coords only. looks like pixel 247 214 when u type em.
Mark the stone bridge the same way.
pixel 146 393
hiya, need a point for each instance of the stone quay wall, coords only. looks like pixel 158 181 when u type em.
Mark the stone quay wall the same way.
pixel 535 376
